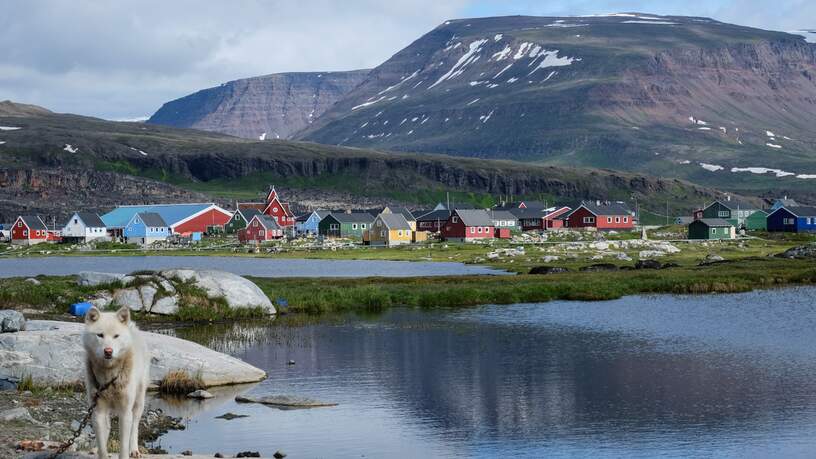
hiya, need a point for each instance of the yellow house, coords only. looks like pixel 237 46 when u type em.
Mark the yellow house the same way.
pixel 390 230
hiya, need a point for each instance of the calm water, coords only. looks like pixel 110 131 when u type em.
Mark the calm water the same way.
pixel 261 267
pixel 644 377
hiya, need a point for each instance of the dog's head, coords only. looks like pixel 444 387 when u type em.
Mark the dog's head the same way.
pixel 107 334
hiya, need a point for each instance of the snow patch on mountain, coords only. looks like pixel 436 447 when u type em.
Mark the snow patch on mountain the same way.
pixel 9 128
pixel 503 70
pixel 497 37
pixel 469 57
pixel 402 80
pixel 70 148
pixel 762 170
pixel 501 55
pixel 711 167
pixel 773 145
pixel 650 22
pixel 262 136
pixel 551 59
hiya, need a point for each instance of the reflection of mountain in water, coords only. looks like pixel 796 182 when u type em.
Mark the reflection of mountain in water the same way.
pixel 478 381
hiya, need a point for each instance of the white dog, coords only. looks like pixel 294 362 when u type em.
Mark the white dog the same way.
pixel 115 349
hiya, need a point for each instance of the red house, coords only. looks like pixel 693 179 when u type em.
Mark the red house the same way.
pixel 536 219
pixel 554 219
pixel 274 208
pixel 600 216
pixel 261 228
pixel 468 225
pixel 29 230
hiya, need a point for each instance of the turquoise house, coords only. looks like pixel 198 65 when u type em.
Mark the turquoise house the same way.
pixel 146 228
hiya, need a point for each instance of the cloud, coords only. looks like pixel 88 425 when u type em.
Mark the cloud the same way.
pixel 124 59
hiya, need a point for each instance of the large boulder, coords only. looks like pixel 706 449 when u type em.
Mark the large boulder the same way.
pixel 802 251
pixel 129 297
pixel 237 291
pixel 11 321
pixel 51 352
pixel 647 264
pixel 92 278
pixel 548 270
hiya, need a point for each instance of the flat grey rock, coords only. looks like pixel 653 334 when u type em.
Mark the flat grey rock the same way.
pixel 284 401
pixel 129 297
pixel 236 290
pixel 200 394
pixel 93 278
pixel 166 306
pixel 20 414
pixel 51 352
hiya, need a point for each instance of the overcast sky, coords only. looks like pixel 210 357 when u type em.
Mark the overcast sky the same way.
pixel 121 59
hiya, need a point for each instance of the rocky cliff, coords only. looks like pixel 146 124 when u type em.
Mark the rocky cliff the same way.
pixel 266 107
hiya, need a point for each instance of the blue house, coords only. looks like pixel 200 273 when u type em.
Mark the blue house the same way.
pixel 145 228
pixel 307 224
pixel 799 219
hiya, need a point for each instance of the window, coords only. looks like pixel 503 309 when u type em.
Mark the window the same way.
pixel 472 230
pixel 589 219
pixel 261 233
pixel 455 219
pixel 19 224
pixel 334 226
pixel 76 222
pixel 713 230
pixel 723 213
pixel 788 221
pixel 25 233
pixel 255 224
pixel 617 219
pixel 399 232
pixel 362 226
pixel 382 234
pixel 274 209
pixel 353 226
pixel 480 230
pixel 626 219
pixel 609 219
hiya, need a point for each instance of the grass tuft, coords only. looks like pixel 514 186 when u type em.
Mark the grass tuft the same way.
pixel 180 382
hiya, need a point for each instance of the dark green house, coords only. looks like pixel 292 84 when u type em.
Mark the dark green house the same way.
pixel 757 221
pixel 730 209
pixel 711 228
pixel 240 219
pixel 345 225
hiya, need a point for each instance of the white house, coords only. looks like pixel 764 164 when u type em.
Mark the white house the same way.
pixel 85 227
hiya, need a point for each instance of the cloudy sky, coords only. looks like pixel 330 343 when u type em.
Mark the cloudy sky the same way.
pixel 122 59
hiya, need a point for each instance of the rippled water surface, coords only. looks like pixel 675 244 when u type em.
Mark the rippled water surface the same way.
pixel 244 266
pixel 643 377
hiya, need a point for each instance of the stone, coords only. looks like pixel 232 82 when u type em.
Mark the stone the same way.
pixel 248 454
pixel 236 290
pixel 20 414
pixel 52 353
pixel 599 267
pixel 11 321
pixel 187 453
pixel 33 281
pixel 279 454
pixel 166 306
pixel 712 258
pixel 548 270
pixel 286 401
pixel 651 254
pixel 231 416
pixel 129 297
pixel 167 286
pixel 218 455
pixel 623 257
pixel 647 264
pixel 92 278
pixel 147 293
pixel 200 394
pixel 102 301
pixel 549 258
pixel 802 251
pixel 291 362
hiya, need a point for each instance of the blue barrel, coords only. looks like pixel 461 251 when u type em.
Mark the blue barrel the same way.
pixel 79 309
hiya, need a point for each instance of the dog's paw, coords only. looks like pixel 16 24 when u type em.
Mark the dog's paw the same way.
pixel 136 454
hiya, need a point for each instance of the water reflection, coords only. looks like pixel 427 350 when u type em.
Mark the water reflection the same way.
pixel 638 377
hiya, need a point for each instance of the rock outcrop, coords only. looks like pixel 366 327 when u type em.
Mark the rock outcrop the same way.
pixel 51 352
pixel 266 107
pixel 11 321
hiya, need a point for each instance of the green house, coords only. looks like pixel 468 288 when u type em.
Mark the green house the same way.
pixel 757 221
pixel 345 225
pixel 240 220
pixel 711 228
pixel 730 209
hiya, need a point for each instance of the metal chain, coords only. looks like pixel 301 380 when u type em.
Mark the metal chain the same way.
pixel 84 423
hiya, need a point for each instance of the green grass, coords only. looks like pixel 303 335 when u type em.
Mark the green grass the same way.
pixel 318 296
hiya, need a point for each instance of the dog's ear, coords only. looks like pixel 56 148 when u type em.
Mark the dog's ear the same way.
pixel 92 315
pixel 123 314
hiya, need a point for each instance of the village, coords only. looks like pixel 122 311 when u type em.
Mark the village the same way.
pixel 257 223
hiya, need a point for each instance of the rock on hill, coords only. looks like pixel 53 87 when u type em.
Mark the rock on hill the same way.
pixel 55 163
pixel 692 97
pixel 265 107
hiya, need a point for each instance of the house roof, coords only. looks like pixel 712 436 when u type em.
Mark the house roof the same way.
pixel 557 212
pixel 786 202
pixel 172 214
pixel 395 221
pixel 252 205
pixel 420 212
pixel 434 215
pixel 474 217
pixel 402 210
pixel 734 204
pixel 527 213
pixel 249 212
pixel 151 219
pixel 802 211
pixel 91 219
pixel 267 221
pixel 716 222
pixel 501 215
pixel 354 217
pixel 33 222
pixel 611 208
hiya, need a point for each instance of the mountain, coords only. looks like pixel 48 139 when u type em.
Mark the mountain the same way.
pixel 57 163
pixel 691 97
pixel 271 106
